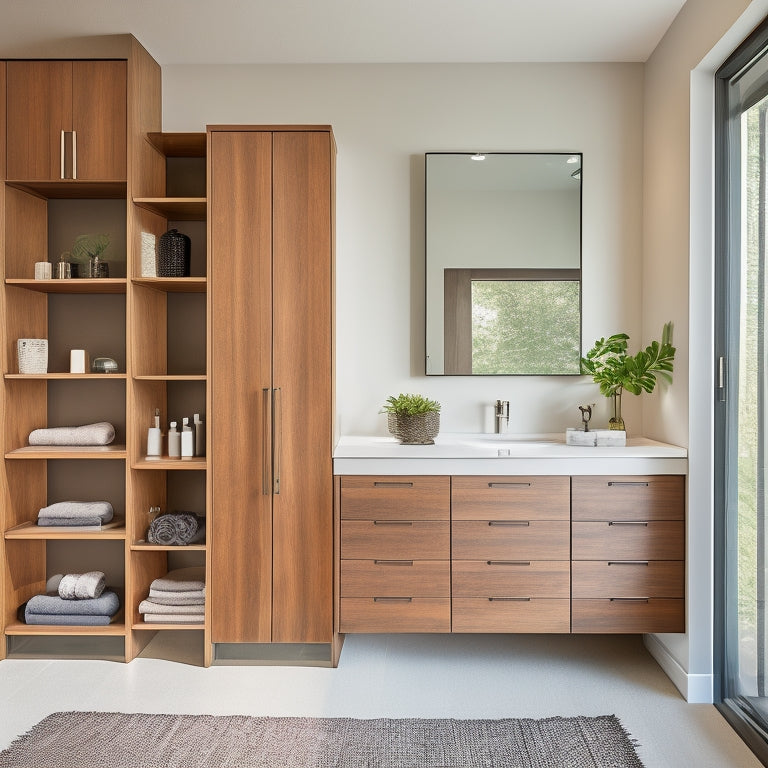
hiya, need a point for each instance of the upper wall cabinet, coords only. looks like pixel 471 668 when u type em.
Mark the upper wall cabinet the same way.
pixel 66 120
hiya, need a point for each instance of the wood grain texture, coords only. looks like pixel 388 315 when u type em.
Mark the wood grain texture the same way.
pixel 658 497
pixel 510 498
pixel 628 616
pixel 421 614
pixel 611 578
pixel 26 233
pixel 240 294
pixel 414 540
pixel 395 578
pixel 486 540
pixel 394 497
pixel 510 616
pixel 656 540
pixel 511 578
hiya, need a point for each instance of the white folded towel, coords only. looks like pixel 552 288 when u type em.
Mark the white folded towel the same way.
pixel 173 618
pixel 78 510
pixel 100 433
pixel 150 606
pixel 177 598
pixel 181 580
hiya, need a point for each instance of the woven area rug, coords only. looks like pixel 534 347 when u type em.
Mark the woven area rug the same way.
pixel 118 740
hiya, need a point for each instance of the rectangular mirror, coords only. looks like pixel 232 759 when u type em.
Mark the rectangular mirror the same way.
pixel 503 263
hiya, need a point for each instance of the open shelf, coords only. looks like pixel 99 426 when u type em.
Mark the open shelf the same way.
pixel 66 189
pixel 70 376
pixel 20 628
pixel 178 144
pixel 163 462
pixel 73 285
pixel 176 208
pixel 68 452
pixel 174 284
pixel 114 529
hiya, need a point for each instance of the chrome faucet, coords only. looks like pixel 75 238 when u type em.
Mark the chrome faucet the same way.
pixel 502 416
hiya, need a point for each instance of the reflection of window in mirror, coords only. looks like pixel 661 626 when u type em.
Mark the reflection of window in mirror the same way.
pixel 501 320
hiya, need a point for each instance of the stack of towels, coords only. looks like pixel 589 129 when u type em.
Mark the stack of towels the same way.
pixel 176 598
pixel 176 529
pixel 71 599
pixel 76 513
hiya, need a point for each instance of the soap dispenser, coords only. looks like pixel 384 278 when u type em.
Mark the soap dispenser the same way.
pixel 174 442
pixel 154 438
pixel 187 440
pixel 199 435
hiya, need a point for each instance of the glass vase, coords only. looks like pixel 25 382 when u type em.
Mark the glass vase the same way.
pixel 616 422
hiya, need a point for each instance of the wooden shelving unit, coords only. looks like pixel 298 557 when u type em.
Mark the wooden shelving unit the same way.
pixel 115 529
pixel 76 285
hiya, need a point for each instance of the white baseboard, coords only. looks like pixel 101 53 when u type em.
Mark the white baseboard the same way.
pixel 696 689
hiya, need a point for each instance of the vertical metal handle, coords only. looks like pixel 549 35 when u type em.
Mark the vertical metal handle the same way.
pixel 721 379
pixel 266 442
pixel 277 436
pixel 74 154
pixel 62 153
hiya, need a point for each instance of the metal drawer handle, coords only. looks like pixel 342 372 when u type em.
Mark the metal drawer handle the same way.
pixel 392 522
pixel 622 483
pixel 509 485
pixel 393 562
pixel 629 599
pixel 509 522
pixel 627 562
pixel 392 599
pixel 629 522
pixel 391 484
pixel 508 562
pixel 509 599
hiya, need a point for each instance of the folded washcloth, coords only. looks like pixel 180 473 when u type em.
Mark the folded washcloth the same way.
pixel 63 620
pixel 176 529
pixel 82 586
pixel 69 522
pixel 173 618
pixel 101 433
pixel 190 579
pixel 197 597
pixel 78 510
pixel 151 606
pixel 107 604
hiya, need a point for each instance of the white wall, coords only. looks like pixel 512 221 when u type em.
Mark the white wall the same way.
pixel 384 118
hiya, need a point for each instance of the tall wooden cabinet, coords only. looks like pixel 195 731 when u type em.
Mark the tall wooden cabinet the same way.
pixel 270 250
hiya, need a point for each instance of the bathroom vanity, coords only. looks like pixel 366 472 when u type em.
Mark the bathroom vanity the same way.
pixel 495 533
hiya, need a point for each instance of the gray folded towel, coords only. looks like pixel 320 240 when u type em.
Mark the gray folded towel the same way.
pixel 63 620
pixel 176 529
pixel 82 586
pixel 69 522
pixel 181 580
pixel 100 433
pixel 107 604
pixel 173 618
pixel 162 597
pixel 78 510
pixel 151 606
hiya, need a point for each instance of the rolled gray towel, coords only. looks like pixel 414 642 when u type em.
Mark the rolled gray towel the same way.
pixel 197 597
pixel 107 604
pixel 175 529
pixel 100 433
pixel 78 510
pixel 82 586
pixel 151 606
pixel 181 580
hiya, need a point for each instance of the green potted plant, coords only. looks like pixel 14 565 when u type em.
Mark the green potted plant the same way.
pixel 412 419
pixel 615 370
pixel 87 250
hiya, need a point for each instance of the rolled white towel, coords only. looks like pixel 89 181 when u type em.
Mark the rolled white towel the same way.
pixel 100 433
pixel 82 586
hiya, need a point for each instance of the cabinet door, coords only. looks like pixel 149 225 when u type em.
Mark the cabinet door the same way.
pixel 240 336
pixel 99 120
pixel 302 332
pixel 39 109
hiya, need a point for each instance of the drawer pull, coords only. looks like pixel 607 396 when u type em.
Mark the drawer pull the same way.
pixel 391 484
pixel 623 483
pixel 392 599
pixel 628 562
pixel 392 522
pixel 629 522
pixel 507 562
pixel 509 485
pixel 509 599
pixel 393 562
pixel 509 522
pixel 629 599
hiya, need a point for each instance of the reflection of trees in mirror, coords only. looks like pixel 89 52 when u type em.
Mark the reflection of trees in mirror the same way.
pixel 514 321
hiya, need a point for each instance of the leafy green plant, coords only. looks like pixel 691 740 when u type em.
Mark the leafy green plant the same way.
pixel 614 369
pixel 87 246
pixel 410 405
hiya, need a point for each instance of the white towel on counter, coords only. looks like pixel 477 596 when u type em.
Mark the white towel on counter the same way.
pixel 100 433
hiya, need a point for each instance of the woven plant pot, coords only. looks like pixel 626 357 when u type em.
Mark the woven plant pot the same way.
pixel 420 429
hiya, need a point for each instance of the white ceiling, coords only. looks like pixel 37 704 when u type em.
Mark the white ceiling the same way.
pixel 350 31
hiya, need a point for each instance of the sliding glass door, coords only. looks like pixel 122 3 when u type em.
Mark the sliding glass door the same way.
pixel 741 420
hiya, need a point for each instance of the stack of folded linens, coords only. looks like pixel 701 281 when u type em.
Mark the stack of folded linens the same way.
pixel 176 598
pixel 74 599
pixel 75 513
pixel 176 529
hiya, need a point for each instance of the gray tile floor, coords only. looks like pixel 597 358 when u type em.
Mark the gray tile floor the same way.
pixel 461 676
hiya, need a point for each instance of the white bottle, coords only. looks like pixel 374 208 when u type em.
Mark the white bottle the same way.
pixel 174 442
pixel 187 440
pixel 154 438
pixel 199 435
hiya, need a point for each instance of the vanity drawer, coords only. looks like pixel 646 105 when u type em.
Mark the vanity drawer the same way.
pixel 412 497
pixel 653 497
pixel 393 614
pixel 510 615
pixel 511 578
pixel 393 578
pixel 650 578
pixel 511 540
pixel 510 498
pixel 629 616
pixel 629 540
pixel 395 540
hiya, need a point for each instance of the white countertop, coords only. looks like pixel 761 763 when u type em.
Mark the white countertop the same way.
pixel 509 454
